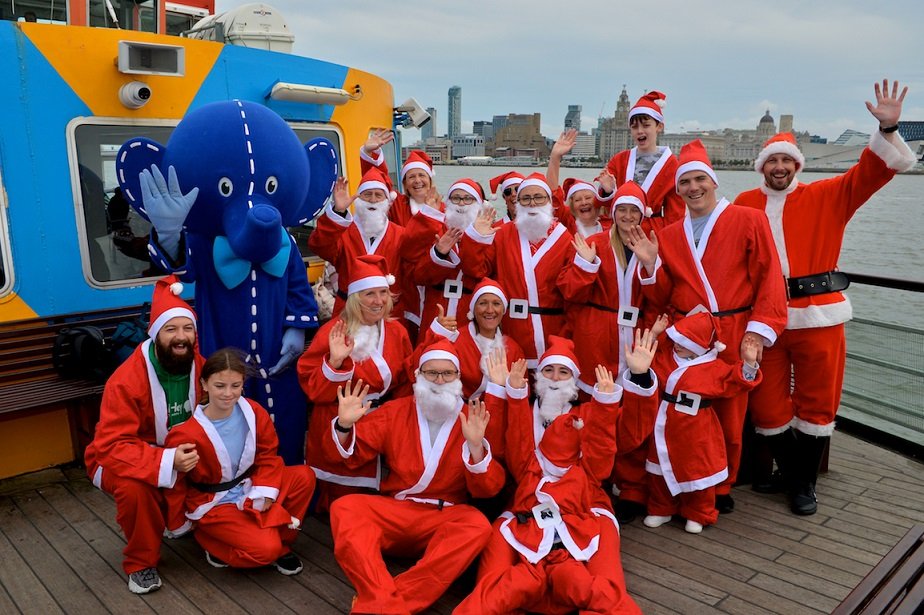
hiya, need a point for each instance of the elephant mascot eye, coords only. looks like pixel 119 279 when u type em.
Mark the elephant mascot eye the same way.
pixel 271 184
pixel 225 187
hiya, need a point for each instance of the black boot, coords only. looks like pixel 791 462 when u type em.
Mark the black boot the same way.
pixel 782 448
pixel 809 451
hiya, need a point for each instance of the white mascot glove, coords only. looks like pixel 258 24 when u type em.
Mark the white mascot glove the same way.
pixel 293 345
pixel 166 206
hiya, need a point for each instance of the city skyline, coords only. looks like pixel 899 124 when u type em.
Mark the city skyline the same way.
pixel 719 67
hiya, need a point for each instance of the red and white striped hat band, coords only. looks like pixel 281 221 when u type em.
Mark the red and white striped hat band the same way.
pixel 560 359
pixel 696 165
pixel 415 165
pixel 628 199
pixel 372 184
pixel 577 187
pixel 466 187
pixel 437 354
pixel 534 181
pixel 646 111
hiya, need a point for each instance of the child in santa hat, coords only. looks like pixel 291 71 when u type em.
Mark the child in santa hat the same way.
pixel 687 458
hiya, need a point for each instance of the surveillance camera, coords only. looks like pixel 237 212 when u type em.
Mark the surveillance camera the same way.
pixel 415 113
pixel 135 94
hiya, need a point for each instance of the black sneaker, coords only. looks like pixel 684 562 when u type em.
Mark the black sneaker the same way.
pixel 144 581
pixel 627 510
pixel 214 561
pixel 724 503
pixel 288 564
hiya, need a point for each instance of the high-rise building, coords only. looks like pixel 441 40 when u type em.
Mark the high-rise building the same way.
pixel 484 129
pixel 785 123
pixel 428 131
pixel 573 118
pixel 498 122
pixel 613 132
pixel 455 112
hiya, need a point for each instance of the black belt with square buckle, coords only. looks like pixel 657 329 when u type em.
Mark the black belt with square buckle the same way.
pixel 817 284
pixel 685 401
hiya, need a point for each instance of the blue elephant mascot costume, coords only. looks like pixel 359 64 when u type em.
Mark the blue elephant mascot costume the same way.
pixel 236 177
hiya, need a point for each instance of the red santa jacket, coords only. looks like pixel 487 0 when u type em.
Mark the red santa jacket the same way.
pixel 528 272
pixel 440 473
pixel 338 240
pixel 132 428
pixel 604 308
pixel 688 448
pixel 735 267
pixel 187 503
pixel 384 371
pixel 666 205
pixel 808 222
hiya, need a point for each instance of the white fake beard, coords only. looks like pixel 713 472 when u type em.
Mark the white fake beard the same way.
pixel 438 402
pixel 365 340
pixel 534 222
pixel 371 218
pixel 487 346
pixel 554 396
pixel 461 216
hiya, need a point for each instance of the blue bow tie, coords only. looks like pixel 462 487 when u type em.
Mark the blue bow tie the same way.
pixel 232 269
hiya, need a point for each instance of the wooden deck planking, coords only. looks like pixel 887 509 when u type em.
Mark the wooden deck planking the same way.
pixel 61 552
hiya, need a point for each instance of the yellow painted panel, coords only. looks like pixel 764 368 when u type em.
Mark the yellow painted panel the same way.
pixel 34 442
pixel 357 116
pixel 12 307
pixel 86 59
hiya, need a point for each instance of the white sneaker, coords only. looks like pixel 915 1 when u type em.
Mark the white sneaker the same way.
pixel 693 527
pixel 655 520
pixel 144 581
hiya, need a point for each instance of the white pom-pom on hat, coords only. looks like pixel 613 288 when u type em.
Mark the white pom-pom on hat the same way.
pixel 578 424
pixel 176 288
pixel 392 195
pixel 719 346
pixel 390 278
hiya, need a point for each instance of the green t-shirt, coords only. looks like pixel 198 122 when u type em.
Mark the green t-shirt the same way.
pixel 176 388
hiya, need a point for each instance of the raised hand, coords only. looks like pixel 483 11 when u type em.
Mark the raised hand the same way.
pixel 433 198
pixel 341 345
pixel 517 377
pixel 166 205
pixel 605 382
pixel 660 325
pixel 446 241
pixel 752 340
pixel 565 143
pixel 293 345
pixel 447 322
pixel 185 458
pixel 484 222
pixel 888 108
pixel 350 406
pixel 496 362
pixel 341 195
pixel 377 139
pixel 586 251
pixel 474 426
pixel 644 247
pixel 607 181
pixel 640 356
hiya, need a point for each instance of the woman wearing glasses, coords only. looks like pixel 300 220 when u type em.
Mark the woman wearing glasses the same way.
pixel 363 342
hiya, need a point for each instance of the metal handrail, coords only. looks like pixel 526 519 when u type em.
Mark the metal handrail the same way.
pixel 872 280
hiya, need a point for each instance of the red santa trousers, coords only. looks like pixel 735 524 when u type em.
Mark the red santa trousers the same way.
pixel 630 475
pixel 816 357
pixel 557 584
pixel 140 512
pixel 365 527
pixel 696 506
pixel 731 411
pixel 236 537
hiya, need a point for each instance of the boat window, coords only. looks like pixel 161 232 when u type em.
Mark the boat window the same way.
pixel 305 133
pixel 6 261
pixel 42 11
pixel 124 14
pixel 114 237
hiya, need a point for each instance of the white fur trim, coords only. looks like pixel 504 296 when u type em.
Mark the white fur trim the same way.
pixel 814 316
pixel 812 429
pixel 482 466
pixel 630 200
pixel 526 183
pixel 510 181
pixel 166 316
pixel 489 290
pixel 464 187
pixel 779 147
pixel 377 160
pixel 415 165
pixel 176 288
pixel 899 157
pixel 640 110
pixel 512 393
pixel 607 398
pixel 755 326
pixel 684 341
pixel 371 185
pixel 496 390
pixel 442 331
pixel 334 375
pixel 630 387
pixel 180 531
pixel 577 187
pixel 166 475
pixel 434 355
pixel 347 452
pixel 695 165
pixel 584 265
pixel 560 359
pixel 474 235
pixel 375 281
pixel 772 431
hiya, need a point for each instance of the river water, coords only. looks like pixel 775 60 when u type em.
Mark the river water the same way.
pixel 883 239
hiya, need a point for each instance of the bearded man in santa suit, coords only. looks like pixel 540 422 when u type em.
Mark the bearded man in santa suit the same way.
pixel 341 237
pixel 156 388
pixel 720 259
pixel 525 257
pixel 506 184
pixel 439 457
pixel 808 223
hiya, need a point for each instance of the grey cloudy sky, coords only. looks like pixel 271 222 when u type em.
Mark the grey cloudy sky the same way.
pixel 721 64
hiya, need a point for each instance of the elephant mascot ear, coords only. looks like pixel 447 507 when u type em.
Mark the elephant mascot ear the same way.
pixel 322 162
pixel 135 155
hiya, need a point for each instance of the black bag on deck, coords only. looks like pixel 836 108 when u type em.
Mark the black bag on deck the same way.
pixel 128 334
pixel 83 352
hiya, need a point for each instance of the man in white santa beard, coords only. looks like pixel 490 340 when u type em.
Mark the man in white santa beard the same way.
pixel 371 217
pixel 438 400
pixel 534 221
pixel 555 387
pixel 466 198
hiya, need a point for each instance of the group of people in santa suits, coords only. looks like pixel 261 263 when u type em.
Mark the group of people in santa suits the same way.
pixel 420 403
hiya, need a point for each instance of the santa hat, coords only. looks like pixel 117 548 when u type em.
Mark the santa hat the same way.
pixel 369 271
pixel 650 104
pixel 167 304
pixel 695 333
pixel 502 182
pixel 417 159
pixel 693 157
pixel 374 178
pixel 535 179
pixel 781 143
pixel 487 286
pixel 560 351
pixel 442 349
pixel 561 441
pixel 631 193
pixel 471 187
pixel 571 185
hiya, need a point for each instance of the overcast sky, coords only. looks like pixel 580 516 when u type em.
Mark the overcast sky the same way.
pixel 720 67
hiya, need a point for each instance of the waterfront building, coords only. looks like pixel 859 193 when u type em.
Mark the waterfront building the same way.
pixel 467 145
pixel 766 127
pixel 520 133
pixel 786 123
pixel 851 138
pixel 485 129
pixel 613 132
pixel 455 112
pixel 585 146
pixel 911 131
pixel 429 130
pixel 573 117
